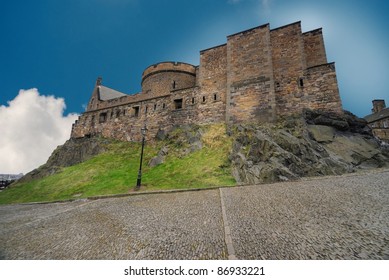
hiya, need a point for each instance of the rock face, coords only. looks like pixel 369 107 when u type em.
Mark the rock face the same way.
pixel 184 139
pixel 160 158
pixel 313 145
pixel 72 152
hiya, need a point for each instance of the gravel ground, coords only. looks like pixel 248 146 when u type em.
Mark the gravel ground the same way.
pixel 341 217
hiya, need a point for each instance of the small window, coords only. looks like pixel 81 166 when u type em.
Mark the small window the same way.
pixel 136 111
pixel 174 84
pixel 146 109
pixel 118 113
pixel 203 98
pixel 163 106
pixel 301 82
pixel 103 117
pixel 155 107
pixel 214 97
pixel 193 100
pixel 178 104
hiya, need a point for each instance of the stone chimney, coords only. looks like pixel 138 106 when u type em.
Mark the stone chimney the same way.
pixel 378 105
pixel 98 81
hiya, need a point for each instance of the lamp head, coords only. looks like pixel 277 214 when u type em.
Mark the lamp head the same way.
pixel 143 130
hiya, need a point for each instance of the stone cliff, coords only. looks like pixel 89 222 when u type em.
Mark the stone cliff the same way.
pixel 310 144
pixel 314 144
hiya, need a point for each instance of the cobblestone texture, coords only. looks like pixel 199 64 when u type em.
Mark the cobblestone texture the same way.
pixel 343 217
pixel 164 226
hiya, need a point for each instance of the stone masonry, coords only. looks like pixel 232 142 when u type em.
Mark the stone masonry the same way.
pixel 378 120
pixel 259 75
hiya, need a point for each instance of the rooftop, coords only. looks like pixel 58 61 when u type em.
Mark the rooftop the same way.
pixel 106 93
pixel 384 113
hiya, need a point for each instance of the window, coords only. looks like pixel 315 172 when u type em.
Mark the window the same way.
pixel 178 104
pixel 301 82
pixel 136 111
pixel 214 97
pixel 163 106
pixel 174 84
pixel 146 109
pixel 102 117
pixel 118 113
pixel 193 100
pixel 203 99
pixel 155 107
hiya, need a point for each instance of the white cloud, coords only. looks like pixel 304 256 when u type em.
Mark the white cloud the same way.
pixel 32 126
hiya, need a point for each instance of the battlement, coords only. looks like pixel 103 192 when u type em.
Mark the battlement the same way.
pixel 258 75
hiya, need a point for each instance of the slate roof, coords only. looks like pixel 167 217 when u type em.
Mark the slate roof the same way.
pixel 106 93
pixel 384 113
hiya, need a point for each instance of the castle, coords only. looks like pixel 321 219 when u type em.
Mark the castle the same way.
pixel 259 75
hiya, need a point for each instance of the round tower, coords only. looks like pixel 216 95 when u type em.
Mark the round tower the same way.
pixel 162 78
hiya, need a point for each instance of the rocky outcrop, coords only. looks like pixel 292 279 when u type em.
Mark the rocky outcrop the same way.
pixel 160 158
pixel 343 122
pixel 313 145
pixel 183 140
pixel 73 151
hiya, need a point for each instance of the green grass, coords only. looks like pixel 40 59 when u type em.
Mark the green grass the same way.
pixel 115 171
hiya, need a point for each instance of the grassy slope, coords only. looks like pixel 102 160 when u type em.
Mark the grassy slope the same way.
pixel 115 171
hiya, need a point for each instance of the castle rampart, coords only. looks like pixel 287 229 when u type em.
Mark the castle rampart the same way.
pixel 259 75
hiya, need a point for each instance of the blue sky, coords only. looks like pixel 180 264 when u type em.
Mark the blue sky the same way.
pixel 52 51
pixel 61 46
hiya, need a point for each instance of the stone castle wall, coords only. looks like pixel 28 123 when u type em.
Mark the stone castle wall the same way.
pixel 250 86
pixel 315 53
pixel 259 75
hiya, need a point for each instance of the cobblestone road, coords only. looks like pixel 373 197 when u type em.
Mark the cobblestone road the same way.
pixel 342 217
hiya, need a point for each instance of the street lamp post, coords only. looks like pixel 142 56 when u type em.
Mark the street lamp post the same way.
pixel 139 180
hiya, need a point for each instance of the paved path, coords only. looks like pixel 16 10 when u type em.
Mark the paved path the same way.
pixel 342 217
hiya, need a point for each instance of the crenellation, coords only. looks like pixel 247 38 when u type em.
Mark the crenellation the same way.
pixel 259 75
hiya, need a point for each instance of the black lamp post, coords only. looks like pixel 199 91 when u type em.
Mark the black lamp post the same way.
pixel 139 180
